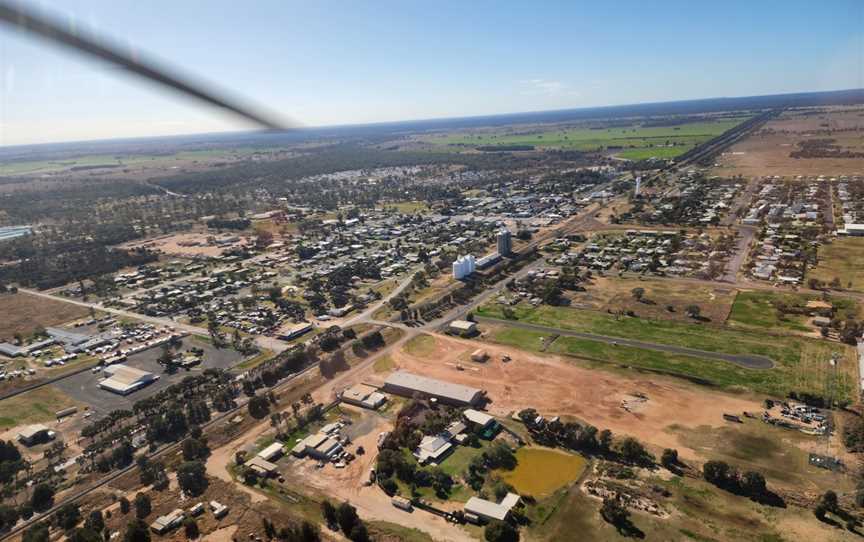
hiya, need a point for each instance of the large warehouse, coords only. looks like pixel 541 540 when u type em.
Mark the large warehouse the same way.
pixel 124 380
pixel 407 384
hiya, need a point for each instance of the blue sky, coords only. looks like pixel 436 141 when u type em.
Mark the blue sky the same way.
pixel 324 62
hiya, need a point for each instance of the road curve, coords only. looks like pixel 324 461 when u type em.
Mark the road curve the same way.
pixel 746 361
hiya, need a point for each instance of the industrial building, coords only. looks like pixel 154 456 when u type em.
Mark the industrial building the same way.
pixel 464 266
pixel 504 242
pixel 488 260
pixel 124 380
pixel 407 384
pixel 364 396
pixel 261 466
pixel 320 446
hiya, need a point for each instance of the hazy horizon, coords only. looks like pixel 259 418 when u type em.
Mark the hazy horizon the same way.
pixel 347 64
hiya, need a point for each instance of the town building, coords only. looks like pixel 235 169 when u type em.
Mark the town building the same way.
pixel 504 242
pixel 407 384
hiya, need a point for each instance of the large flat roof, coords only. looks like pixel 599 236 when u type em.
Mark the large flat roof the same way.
pixel 433 387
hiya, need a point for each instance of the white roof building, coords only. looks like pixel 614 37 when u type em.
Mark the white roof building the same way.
pixel 490 510
pixel 125 380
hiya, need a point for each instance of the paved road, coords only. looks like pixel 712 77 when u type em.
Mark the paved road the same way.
pixel 733 266
pixel 746 361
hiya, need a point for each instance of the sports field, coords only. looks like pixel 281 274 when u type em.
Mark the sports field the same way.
pixel 633 142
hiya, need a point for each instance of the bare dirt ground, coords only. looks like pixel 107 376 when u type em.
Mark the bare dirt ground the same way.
pixel 187 244
pixel 766 152
pixel 556 386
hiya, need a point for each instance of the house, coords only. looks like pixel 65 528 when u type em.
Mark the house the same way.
pixel 35 434
pixel 364 396
pixel 480 419
pixel 488 510
pixel 433 449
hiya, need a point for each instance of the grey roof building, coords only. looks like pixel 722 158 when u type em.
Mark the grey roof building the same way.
pixel 407 384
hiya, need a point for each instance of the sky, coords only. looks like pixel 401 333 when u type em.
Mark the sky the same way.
pixel 322 62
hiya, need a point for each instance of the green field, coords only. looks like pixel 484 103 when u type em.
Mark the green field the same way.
pixel 801 363
pixel 634 142
pixel 841 259
pixel 542 471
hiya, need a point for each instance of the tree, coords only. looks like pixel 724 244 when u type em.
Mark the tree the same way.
pixel 143 506
pixel 638 293
pixel 136 531
pixel 259 407
pixel 693 311
pixel 84 534
pixel 8 517
pixel 829 501
pixel 190 526
pixel 634 452
pixel 95 521
pixel 36 533
pixel 604 441
pixel 329 513
pixel 753 484
pixel 68 516
pixel 500 531
pixel 614 512
pixel 192 477
pixel 124 505
pixel 346 516
pixel 669 459
pixel 359 533
pixel 43 497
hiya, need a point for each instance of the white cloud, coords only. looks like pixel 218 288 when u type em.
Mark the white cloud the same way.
pixel 546 87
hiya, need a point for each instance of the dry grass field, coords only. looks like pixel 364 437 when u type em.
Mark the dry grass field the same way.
pixel 22 313
pixel 766 152
pixel 615 294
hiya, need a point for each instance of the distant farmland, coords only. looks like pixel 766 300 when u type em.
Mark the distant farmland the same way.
pixel 634 142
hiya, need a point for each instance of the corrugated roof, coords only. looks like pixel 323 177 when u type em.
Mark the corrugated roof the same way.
pixel 431 386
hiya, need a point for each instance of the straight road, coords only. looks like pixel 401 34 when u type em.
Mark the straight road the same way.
pixel 746 361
